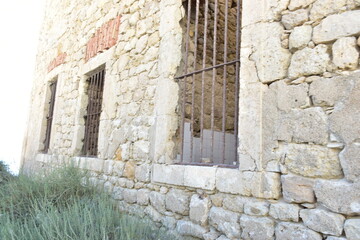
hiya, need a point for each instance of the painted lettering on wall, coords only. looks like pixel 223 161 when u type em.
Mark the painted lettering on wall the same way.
pixel 104 38
pixel 60 59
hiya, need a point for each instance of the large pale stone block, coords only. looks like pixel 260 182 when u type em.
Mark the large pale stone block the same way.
pixel 285 211
pixel 295 4
pixel 300 37
pixel 170 174
pixel 291 231
pixel 323 221
pixel 293 19
pixel 235 204
pixel 352 229
pixel 200 177
pixel 92 164
pixel 337 26
pixel 270 58
pixel 339 196
pixel 225 221
pixel 157 200
pixel 290 96
pixel 346 53
pixel 304 126
pixel 297 189
pixel 257 228
pixel 256 208
pixel 143 197
pixel 153 214
pixel 268 10
pixel 263 185
pixel 328 91
pixel 323 8
pixel 199 209
pixel 143 172
pixel 130 195
pixel 177 201
pixel 309 61
pixel 313 161
pixel 187 228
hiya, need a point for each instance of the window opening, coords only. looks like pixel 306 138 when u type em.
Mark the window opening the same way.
pixel 209 82
pixel 50 115
pixel 92 117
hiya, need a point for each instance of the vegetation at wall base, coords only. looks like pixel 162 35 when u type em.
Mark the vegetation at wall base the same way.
pixel 61 205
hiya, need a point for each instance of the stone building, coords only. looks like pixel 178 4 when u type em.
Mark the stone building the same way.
pixel 218 119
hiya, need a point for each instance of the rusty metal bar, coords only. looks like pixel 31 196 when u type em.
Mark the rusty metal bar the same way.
pixel 203 80
pixel 184 85
pixel 207 69
pixel 92 118
pixel 213 81
pixel 49 117
pixel 237 77
pixel 225 80
pixel 193 80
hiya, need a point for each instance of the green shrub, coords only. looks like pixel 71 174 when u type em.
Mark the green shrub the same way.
pixel 5 174
pixel 59 206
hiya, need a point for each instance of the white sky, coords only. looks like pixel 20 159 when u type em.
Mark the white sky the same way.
pixel 20 22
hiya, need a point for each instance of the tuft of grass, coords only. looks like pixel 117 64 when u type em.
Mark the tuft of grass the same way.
pixel 61 206
pixel 5 174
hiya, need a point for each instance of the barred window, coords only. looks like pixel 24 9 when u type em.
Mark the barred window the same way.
pixel 50 115
pixel 92 117
pixel 209 82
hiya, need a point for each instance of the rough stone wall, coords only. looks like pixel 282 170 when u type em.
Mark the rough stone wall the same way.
pixel 298 176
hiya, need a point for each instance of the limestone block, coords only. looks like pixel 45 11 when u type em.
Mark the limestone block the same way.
pixel 358 41
pixel 130 195
pixel 309 61
pixel 108 187
pixel 199 209
pixel 169 174
pixel 290 231
pixel 153 214
pixel 177 201
pixel 290 96
pixel 296 18
pixel 235 204
pixel 187 228
pixel 313 161
pixel 328 91
pixel 92 164
pixel 267 10
pixel 212 235
pixel 339 196
pixel 303 126
pixel 108 167
pixel 169 222
pixel 346 53
pixel 222 237
pixel 297 189
pixel 225 221
pixel 335 238
pixel 323 221
pixel 257 228
pixel 270 58
pixel 256 208
pixel 295 4
pixel 349 159
pixel 143 197
pixel 118 193
pixel 264 185
pixel 141 150
pixel 129 170
pixel 323 8
pixel 300 37
pixel 143 172
pixel 337 26
pixel 118 168
pixel 352 229
pixel 285 211
pixel 157 200
pixel 200 177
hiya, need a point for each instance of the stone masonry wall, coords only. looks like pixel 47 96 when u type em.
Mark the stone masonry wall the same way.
pixel 299 147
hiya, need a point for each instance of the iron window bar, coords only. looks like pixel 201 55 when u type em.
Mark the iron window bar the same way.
pixel 50 116
pixel 92 117
pixel 210 20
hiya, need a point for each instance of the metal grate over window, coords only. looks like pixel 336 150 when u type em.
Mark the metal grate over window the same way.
pixel 92 117
pixel 209 83
pixel 49 117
